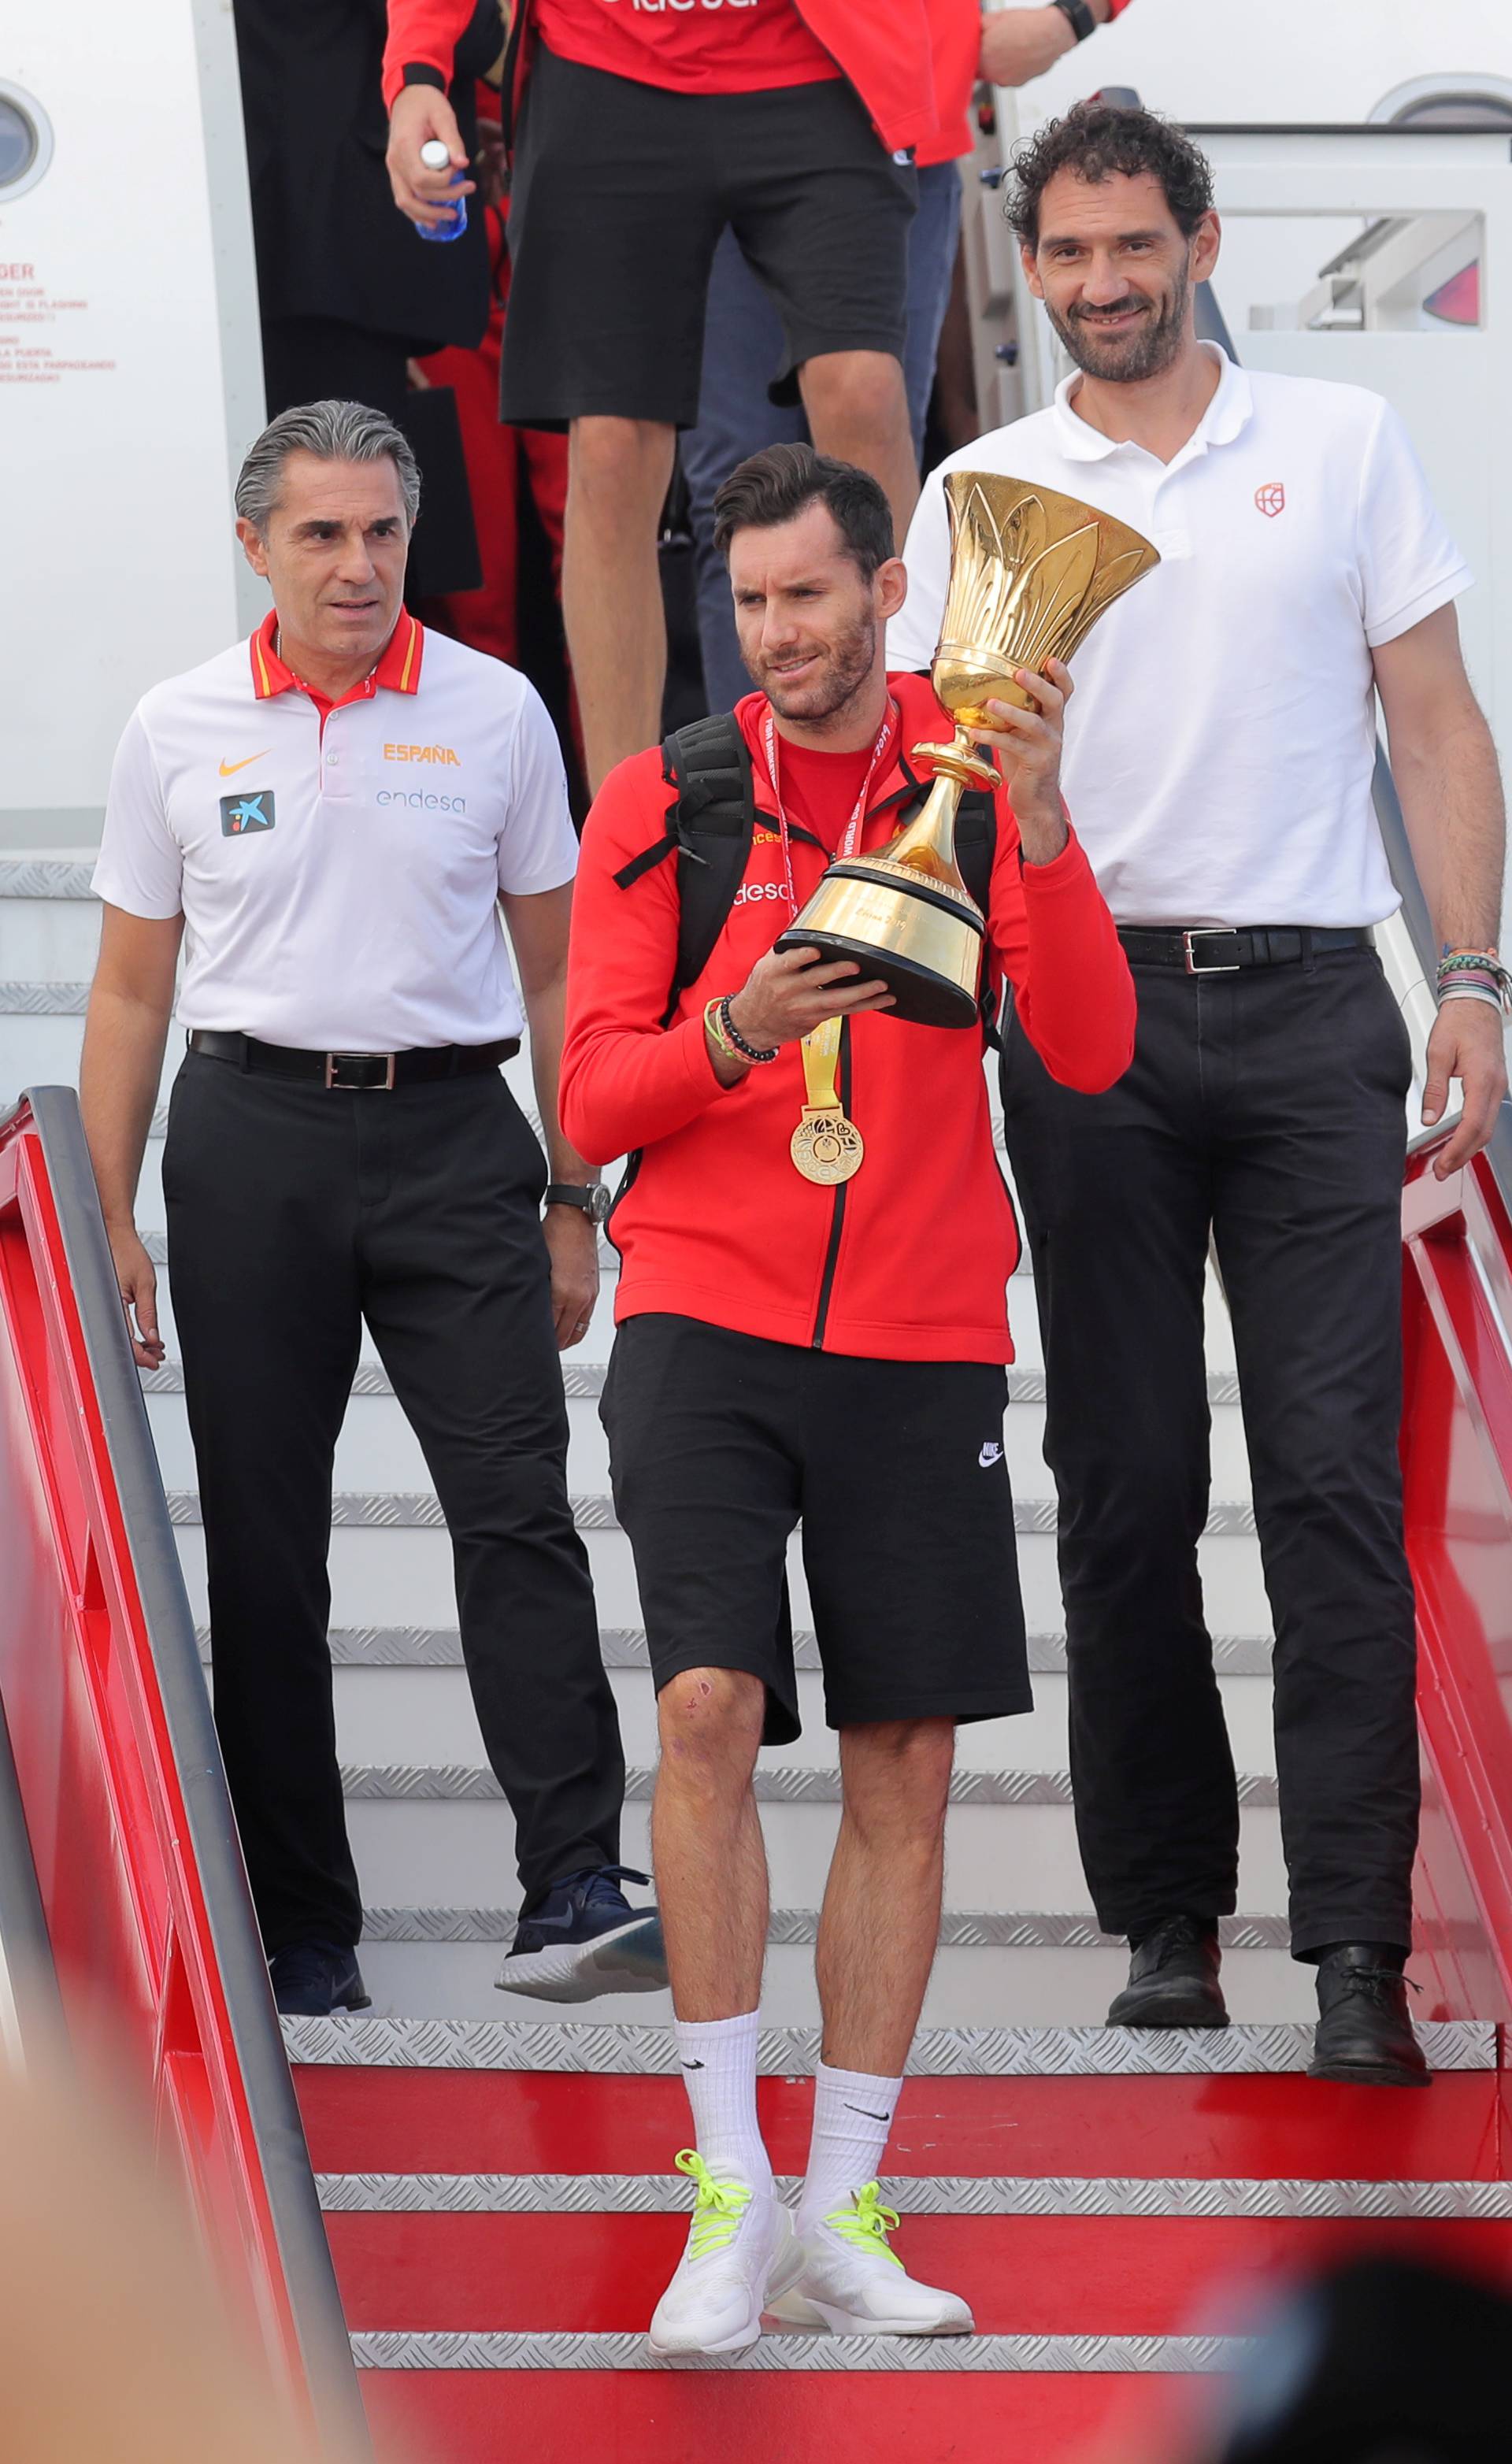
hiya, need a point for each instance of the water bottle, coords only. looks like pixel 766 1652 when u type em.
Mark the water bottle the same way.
pixel 436 156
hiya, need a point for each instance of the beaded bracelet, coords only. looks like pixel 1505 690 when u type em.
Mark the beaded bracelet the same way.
pixel 730 1037
pixel 726 1037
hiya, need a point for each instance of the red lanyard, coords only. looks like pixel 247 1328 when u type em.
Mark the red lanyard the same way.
pixel 850 836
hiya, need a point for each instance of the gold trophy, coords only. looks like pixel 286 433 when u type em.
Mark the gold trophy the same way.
pixel 1031 572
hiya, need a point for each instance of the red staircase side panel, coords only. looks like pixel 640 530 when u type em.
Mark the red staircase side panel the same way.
pixel 1456 1451
pixel 102 1793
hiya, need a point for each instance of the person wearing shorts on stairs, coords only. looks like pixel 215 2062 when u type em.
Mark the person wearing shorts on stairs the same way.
pixel 788 1349
pixel 637 137
pixel 1220 763
pixel 329 817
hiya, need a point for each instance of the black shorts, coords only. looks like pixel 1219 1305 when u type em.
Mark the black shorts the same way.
pixel 720 1443
pixel 620 193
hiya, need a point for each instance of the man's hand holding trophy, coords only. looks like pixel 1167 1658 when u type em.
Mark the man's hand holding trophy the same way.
pixel 1031 572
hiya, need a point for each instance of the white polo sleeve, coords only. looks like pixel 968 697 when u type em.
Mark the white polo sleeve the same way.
pixel 141 865
pixel 1409 564
pixel 915 629
pixel 538 846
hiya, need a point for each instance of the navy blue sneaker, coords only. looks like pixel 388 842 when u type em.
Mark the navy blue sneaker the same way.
pixel 585 1939
pixel 312 1979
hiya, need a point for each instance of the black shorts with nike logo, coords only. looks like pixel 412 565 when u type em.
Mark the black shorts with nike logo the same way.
pixel 721 1444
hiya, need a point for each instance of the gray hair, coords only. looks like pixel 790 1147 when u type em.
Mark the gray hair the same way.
pixel 333 431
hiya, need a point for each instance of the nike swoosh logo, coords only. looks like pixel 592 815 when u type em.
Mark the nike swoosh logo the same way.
pixel 229 769
pixel 868 2111
pixel 692 2066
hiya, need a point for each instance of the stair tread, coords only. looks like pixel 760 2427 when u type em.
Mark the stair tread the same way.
pixel 418 1510
pixel 1007 2195
pixel 961 1929
pixel 775 1783
pixel 1003 2052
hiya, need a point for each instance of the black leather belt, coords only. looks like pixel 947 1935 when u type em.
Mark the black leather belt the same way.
pixel 1216 950
pixel 377 1071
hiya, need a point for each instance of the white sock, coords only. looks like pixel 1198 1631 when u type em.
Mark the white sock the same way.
pixel 719 2071
pixel 852 2115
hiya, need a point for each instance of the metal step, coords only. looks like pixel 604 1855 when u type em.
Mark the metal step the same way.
pixel 996 2052
pixel 454 1852
pixel 478 2349
pixel 1000 1986
pixel 923 2194
pixel 386 1715
pixel 402 1574
pixel 377 1449
pixel 408 1647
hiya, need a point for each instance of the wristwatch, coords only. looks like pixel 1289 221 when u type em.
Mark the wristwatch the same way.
pixel 1078 16
pixel 593 1197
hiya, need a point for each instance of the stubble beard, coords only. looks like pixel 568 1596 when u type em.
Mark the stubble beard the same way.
pixel 819 703
pixel 1149 352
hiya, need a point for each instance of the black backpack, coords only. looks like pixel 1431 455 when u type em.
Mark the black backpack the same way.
pixel 710 821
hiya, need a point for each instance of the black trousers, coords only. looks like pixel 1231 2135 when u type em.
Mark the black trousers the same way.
pixel 1265 1109
pixel 294 1214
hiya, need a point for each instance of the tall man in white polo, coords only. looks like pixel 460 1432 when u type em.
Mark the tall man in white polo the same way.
pixel 335 811
pixel 1220 751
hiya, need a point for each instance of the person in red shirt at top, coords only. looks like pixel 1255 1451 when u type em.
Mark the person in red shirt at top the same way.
pixel 743 339
pixel 792 1348
pixel 640 132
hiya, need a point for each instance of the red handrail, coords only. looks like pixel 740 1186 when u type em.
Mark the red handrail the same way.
pixel 1457 1459
pixel 124 1797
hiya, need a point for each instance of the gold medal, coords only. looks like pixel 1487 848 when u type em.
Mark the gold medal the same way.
pixel 826 1147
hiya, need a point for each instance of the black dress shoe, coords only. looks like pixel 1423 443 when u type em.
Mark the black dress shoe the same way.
pixel 1364 2031
pixel 312 1979
pixel 1173 1979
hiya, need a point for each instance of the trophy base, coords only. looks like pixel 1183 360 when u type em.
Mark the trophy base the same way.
pixel 923 997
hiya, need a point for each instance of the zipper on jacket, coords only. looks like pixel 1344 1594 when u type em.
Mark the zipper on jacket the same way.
pixel 836 1220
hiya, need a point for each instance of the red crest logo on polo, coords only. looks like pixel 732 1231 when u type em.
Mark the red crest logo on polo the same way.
pixel 1271 497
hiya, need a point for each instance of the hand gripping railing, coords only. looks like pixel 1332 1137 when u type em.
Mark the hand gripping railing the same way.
pixel 121 1784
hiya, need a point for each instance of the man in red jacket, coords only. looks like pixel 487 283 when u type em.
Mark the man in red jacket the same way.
pixel 830 1350
pixel 640 133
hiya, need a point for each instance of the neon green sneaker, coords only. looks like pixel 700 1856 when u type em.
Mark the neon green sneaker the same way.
pixel 740 2252
pixel 854 2282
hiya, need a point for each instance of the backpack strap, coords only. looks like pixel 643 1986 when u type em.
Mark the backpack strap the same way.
pixel 710 819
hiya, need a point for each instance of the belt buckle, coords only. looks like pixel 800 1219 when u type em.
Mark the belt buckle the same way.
pixel 336 1062
pixel 1206 932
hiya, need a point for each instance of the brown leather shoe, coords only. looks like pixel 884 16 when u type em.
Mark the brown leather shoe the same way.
pixel 1173 1979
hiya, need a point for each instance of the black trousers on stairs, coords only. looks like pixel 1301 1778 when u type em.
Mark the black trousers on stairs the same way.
pixel 1264 1108
pixel 294 1213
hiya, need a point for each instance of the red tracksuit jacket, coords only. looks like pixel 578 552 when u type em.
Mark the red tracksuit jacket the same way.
pixel 883 45
pixel 908 1261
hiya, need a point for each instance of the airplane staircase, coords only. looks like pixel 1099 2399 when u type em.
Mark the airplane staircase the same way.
pixel 494 2178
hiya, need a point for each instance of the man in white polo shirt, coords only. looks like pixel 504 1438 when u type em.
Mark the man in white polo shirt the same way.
pixel 1219 759
pixel 329 816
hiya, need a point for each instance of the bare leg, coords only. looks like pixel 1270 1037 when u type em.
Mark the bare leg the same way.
pixel 858 409
pixel 707 1843
pixel 881 1919
pixel 617 473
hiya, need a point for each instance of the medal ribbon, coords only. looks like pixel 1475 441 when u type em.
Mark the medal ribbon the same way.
pixel 820 1046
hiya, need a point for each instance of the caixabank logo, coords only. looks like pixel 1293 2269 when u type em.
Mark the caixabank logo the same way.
pixel 240 815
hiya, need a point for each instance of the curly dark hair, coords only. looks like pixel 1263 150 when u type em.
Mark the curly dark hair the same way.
pixel 1096 141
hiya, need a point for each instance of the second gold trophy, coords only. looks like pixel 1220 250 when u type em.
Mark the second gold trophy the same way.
pixel 1031 572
